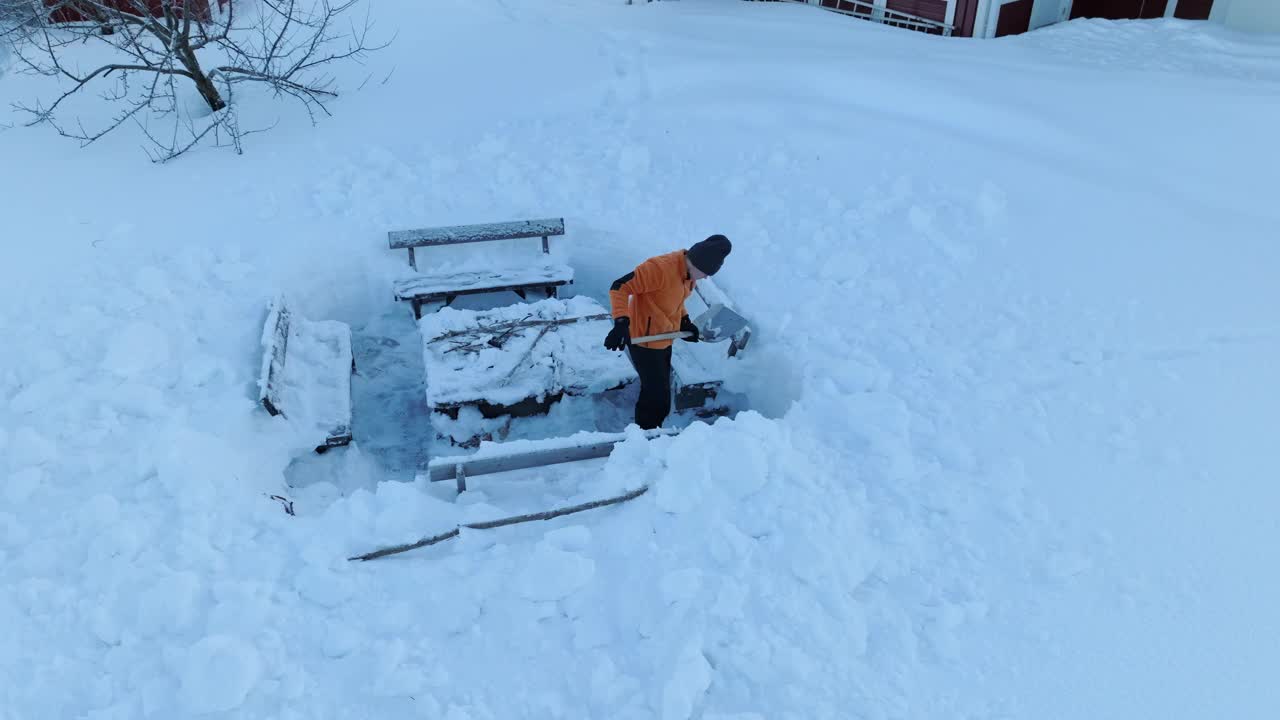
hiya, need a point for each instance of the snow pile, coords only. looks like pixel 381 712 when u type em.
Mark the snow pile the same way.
pixel 1168 45
pixel 1013 318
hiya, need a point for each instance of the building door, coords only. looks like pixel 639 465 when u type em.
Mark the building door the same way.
pixel 965 17
pixel 1193 9
pixel 1122 9
pixel 1014 18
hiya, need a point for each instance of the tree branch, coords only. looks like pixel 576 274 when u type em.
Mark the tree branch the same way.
pixel 501 522
pixel 283 47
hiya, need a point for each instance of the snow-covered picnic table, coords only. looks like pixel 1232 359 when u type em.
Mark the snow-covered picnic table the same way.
pixel 519 357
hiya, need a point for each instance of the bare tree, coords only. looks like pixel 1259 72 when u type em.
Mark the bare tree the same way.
pixel 160 50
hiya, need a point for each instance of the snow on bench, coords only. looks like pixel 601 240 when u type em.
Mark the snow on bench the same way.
pixel 425 288
pixel 422 289
pixel 523 454
pixel 306 374
pixel 519 359
pixel 698 369
pixel 696 375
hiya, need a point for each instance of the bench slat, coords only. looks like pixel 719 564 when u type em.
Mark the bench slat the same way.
pixel 457 234
pixel 459 283
pixel 275 343
pixel 520 455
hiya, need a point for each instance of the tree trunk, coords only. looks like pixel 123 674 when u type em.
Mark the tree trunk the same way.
pixel 207 89
pixel 209 92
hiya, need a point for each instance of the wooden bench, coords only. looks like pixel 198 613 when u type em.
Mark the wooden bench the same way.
pixel 424 288
pixel 306 374
pixel 520 360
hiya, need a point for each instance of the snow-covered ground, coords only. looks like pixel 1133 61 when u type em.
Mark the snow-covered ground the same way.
pixel 1013 384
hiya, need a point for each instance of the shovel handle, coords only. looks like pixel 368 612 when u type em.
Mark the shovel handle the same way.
pixel 662 336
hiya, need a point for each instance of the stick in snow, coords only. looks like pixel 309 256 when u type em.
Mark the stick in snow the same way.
pixel 523 323
pixel 524 356
pixel 490 524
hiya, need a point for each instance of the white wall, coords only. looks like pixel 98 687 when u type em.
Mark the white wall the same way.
pixel 1252 15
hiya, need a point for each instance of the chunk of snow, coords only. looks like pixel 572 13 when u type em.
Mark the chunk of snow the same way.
pixel 552 574
pixel 324 587
pixel 171 605
pixel 681 585
pixel 30 447
pixel 22 483
pixel 574 538
pixel 219 673
pixel 135 349
pixel 688 680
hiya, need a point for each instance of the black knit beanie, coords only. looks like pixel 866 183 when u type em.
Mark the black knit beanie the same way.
pixel 708 255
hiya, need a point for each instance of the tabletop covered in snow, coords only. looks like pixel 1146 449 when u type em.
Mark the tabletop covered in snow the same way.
pixel 517 352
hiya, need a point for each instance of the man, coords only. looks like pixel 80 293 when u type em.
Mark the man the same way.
pixel 650 301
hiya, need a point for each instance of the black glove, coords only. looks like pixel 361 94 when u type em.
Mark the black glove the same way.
pixel 686 325
pixel 620 336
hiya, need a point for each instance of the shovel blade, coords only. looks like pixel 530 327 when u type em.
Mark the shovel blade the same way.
pixel 718 323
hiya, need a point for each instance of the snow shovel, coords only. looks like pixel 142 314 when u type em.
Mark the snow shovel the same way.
pixel 717 324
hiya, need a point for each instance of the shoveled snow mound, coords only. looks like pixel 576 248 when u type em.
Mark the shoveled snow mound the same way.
pixel 1012 377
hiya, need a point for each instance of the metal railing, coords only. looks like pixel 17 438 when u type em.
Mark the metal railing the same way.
pixel 867 10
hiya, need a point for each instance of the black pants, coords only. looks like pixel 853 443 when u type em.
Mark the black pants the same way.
pixel 654 369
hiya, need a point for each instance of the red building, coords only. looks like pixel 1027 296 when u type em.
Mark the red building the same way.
pixel 65 11
pixel 994 18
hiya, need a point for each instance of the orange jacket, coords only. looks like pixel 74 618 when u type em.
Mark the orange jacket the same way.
pixel 653 296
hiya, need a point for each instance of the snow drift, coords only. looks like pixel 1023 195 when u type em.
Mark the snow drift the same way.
pixel 1011 383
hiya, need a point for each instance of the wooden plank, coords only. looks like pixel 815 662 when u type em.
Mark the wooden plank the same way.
pixel 481 281
pixel 449 296
pixel 566 450
pixel 526 407
pixel 458 234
